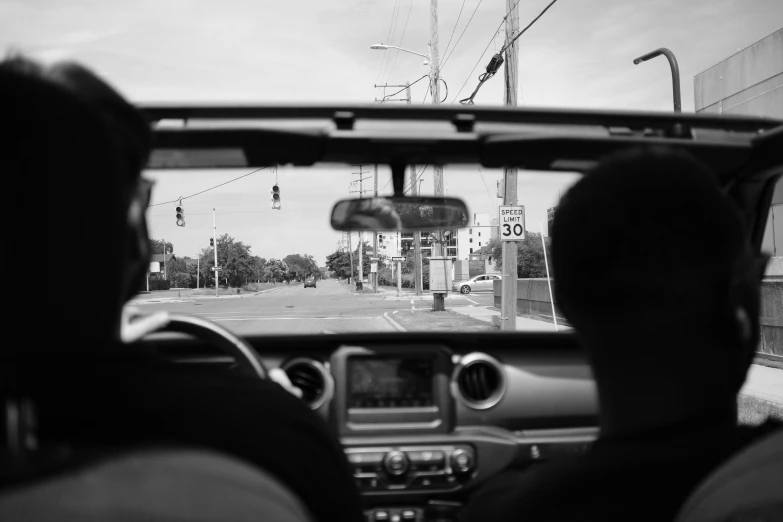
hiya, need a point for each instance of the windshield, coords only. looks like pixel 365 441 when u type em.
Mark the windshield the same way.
pixel 364 281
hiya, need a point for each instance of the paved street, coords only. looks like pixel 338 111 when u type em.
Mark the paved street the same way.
pixel 330 307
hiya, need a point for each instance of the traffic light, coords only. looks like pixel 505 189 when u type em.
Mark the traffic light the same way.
pixel 276 196
pixel 212 242
pixel 180 215
pixel 380 239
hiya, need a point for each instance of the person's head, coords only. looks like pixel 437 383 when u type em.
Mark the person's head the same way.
pixel 653 268
pixel 75 164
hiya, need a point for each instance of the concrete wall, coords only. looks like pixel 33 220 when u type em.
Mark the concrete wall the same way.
pixel 532 298
pixel 772 318
pixel 749 82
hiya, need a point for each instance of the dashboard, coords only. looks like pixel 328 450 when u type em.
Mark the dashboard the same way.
pixel 425 419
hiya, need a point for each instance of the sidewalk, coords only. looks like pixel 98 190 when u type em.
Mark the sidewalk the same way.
pixel 524 324
pixel 408 294
pixel 151 299
pixel 764 383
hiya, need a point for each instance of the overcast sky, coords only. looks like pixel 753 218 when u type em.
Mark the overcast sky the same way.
pixel 579 54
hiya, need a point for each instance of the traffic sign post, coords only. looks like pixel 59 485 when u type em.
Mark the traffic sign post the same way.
pixel 399 261
pixel 511 221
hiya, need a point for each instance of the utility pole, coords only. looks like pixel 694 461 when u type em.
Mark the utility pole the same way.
pixel 439 299
pixel 508 303
pixel 361 233
pixel 198 269
pixel 375 234
pixel 350 258
pixel 417 268
pixel 165 276
pixel 214 236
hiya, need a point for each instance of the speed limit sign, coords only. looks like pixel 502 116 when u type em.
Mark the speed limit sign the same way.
pixel 511 220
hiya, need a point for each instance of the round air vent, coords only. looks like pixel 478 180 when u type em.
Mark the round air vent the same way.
pixel 312 378
pixel 479 381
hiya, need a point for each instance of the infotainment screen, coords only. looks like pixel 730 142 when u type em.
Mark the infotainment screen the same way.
pixel 390 382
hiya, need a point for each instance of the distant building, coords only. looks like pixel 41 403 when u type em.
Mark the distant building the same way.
pixel 550 218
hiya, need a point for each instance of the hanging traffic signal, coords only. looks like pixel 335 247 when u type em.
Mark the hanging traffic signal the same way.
pixel 212 242
pixel 380 239
pixel 276 196
pixel 180 215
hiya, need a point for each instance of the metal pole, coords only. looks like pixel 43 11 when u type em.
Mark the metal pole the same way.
pixel 165 274
pixel 399 279
pixel 508 300
pixel 438 299
pixel 198 268
pixel 548 279
pixel 375 234
pixel 675 72
pixel 214 236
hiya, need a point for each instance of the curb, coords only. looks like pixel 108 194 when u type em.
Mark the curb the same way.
pixel 394 323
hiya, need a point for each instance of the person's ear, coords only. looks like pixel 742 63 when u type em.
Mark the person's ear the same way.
pixel 743 325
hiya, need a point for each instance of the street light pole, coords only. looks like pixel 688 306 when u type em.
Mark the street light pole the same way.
pixel 675 72
pixel 214 236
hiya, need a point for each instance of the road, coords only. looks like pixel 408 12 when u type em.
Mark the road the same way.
pixel 328 308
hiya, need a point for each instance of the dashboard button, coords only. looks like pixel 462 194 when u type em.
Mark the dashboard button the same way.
pixel 381 516
pixel 427 460
pixel 396 463
pixel 366 462
pixel 461 461
pixel 408 514
pixel 368 484
pixel 424 482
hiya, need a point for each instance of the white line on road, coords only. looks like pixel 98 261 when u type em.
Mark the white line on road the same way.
pixel 471 300
pixel 271 318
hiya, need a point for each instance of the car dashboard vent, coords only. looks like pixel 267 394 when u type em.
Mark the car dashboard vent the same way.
pixel 312 378
pixel 479 381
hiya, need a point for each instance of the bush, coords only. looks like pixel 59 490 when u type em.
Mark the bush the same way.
pixel 159 284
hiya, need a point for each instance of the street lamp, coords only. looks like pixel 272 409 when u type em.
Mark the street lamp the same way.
pixel 675 72
pixel 384 47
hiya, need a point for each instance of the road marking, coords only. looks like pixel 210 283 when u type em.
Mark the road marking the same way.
pixel 471 300
pixel 271 318
pixel 397 326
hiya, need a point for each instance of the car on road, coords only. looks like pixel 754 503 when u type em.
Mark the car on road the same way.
pixel 479 283
pixel 310 281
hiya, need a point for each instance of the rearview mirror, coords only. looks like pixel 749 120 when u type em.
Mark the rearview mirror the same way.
pixel 399 213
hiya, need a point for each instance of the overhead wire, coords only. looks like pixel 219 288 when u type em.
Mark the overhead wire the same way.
pixel 207 190
pixel 388 39
pixel 455 27
pixel 446 58
pixel 411 85
pixel 402 37
pixel 497 59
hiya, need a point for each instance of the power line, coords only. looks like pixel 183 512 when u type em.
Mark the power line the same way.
pixel 411 85
pixel 446 59
pixel 402 37
pixel 388 39
pixel 455 27
pixel 506 46
pixel 207 190
pixel 498 56
pixel 477 62
pixel 492 202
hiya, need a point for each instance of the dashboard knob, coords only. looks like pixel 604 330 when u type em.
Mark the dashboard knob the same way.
pixel 461 461
pixel 396 463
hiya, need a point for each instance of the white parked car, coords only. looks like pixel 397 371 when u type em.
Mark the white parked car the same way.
pixel 477 283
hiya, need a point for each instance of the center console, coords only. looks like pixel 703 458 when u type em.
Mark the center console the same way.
pixel 383 393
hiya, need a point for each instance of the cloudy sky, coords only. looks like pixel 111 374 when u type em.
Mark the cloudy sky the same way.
pixel 578 55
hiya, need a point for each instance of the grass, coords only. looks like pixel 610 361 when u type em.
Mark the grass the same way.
pixel 753 411
pixel 428 321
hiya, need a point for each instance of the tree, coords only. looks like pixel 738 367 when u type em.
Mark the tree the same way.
pixel 530 255
pixel 300 266
pixel 275 270
pixel 339 263
pixel 156 246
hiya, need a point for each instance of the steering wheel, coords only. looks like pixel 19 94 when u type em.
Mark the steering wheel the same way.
pixel 247 360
